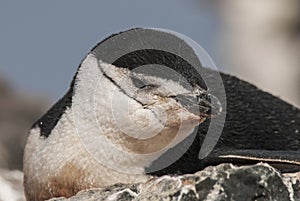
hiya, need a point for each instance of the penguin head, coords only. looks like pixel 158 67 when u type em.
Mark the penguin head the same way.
pixel 145 100
pixel 152 89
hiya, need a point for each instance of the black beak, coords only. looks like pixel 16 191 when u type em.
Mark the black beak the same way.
pixel 202 104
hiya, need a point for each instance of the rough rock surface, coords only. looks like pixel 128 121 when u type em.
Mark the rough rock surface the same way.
pixel 222 182
pixel 11 185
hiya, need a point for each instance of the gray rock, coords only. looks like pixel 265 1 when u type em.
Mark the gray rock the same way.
pixel 223 182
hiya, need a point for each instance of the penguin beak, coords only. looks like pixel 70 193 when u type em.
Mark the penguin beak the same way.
pixel 209 105
pixel 202 104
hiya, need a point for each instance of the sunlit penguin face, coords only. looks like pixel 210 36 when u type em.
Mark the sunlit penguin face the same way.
pixel 154 112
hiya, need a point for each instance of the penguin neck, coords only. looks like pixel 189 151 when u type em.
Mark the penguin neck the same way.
pixel 91 102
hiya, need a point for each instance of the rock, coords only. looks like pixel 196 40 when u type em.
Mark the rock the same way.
pixel 17 113
pixel 11 185
pixel 222 182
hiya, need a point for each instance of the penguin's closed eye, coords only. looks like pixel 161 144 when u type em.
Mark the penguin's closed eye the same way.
pixel 142 84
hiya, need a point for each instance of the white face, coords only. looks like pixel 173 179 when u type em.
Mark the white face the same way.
pixel 151 111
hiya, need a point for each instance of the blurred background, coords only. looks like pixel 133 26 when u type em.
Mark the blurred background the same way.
pixel 43 42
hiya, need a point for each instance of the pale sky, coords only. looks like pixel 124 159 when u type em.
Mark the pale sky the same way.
pixel 43 42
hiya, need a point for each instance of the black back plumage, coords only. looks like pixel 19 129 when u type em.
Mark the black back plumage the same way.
pixel 257 124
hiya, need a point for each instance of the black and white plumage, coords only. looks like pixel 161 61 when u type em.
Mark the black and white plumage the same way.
pixel 57 161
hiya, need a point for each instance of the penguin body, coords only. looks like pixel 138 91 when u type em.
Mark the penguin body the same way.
pixel 118 125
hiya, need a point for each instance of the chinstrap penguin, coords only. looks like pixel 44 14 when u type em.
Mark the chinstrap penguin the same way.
pixel 160 112
pixel 57 158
